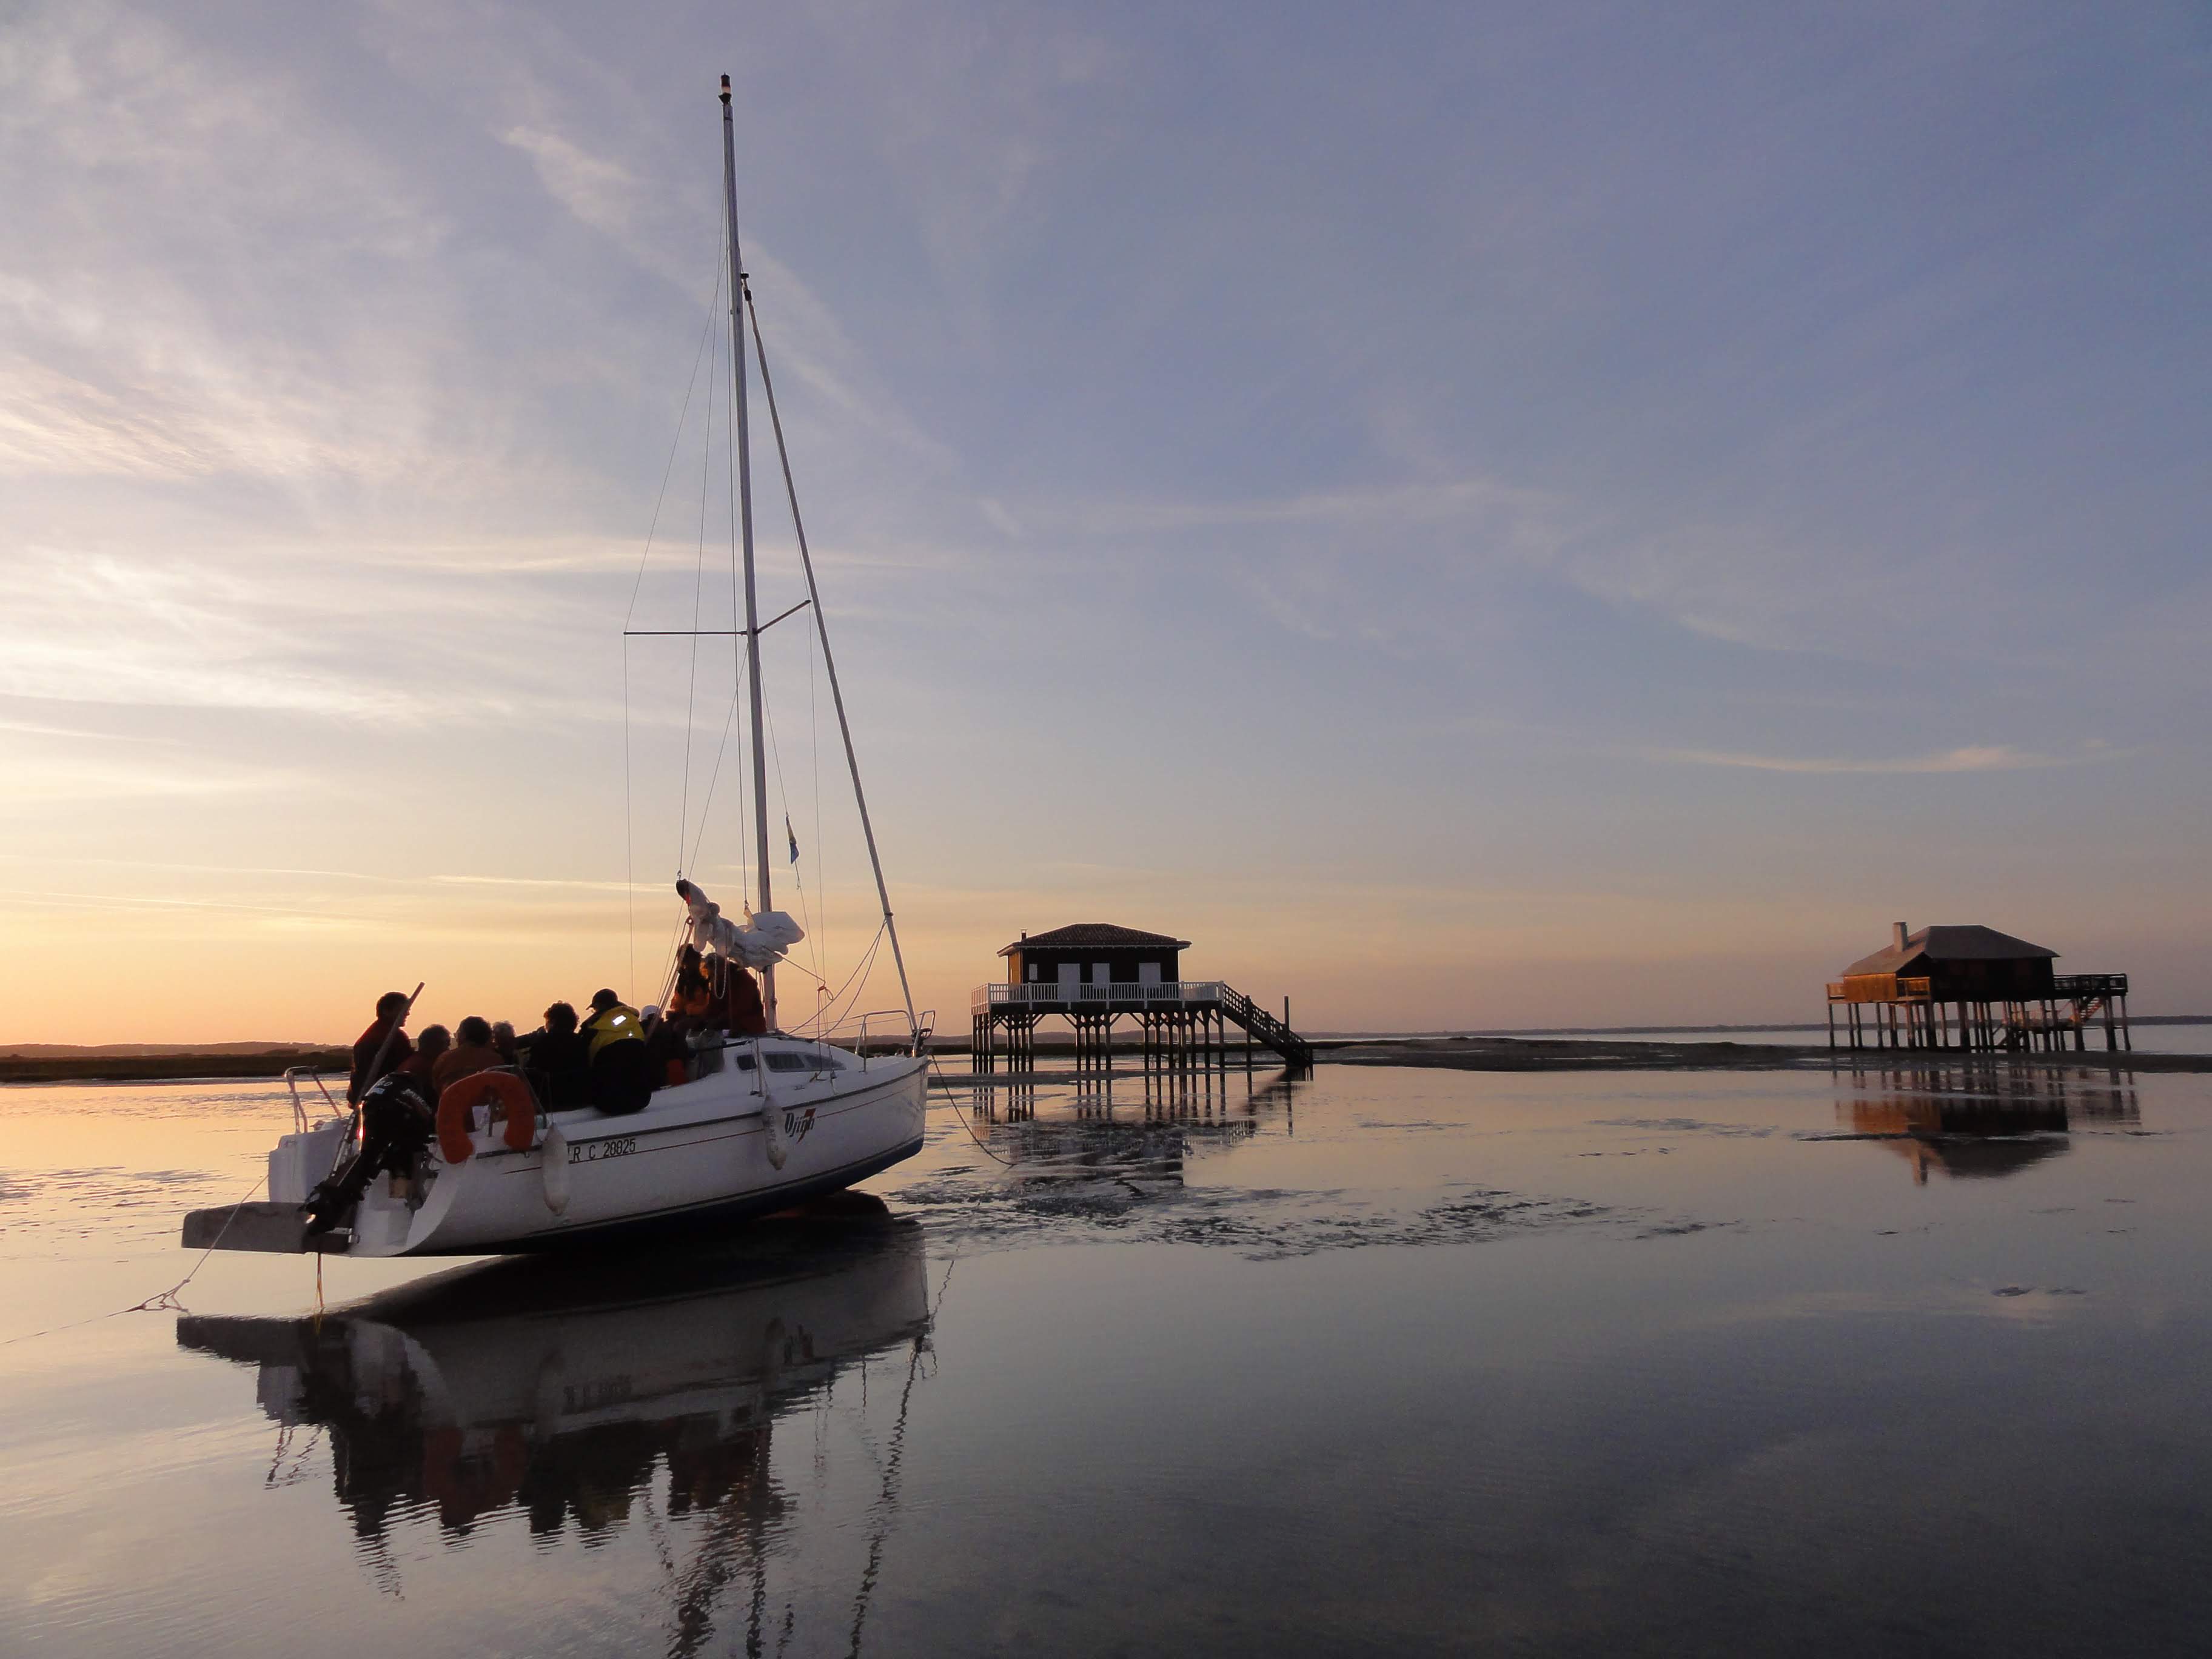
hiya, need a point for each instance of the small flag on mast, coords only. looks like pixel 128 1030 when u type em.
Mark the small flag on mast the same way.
pixel 790 837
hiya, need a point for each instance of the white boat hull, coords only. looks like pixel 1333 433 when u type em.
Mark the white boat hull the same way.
pixel 699 1154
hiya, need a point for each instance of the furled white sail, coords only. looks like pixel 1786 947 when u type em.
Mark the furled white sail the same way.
pixel 758 943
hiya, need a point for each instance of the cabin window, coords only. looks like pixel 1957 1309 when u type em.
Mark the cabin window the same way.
pixel 782 1059
pixel 1148 973
pixel 1033 970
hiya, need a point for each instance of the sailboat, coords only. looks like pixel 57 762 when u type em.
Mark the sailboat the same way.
pixel 759 1122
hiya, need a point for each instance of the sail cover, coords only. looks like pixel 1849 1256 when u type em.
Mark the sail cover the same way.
pixel 757 943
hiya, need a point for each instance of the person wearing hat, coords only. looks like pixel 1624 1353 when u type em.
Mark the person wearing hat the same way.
pixel 621 1072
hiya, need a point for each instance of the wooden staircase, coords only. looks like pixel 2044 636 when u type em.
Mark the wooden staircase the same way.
pixel 1265 1028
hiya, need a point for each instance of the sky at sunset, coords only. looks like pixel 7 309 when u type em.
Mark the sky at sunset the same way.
pixel 1475 515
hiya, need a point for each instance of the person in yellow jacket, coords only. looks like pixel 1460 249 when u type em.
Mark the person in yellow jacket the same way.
pixel 621 1075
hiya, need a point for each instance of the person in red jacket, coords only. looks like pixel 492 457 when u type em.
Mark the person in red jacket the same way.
pixel 737 998
pixel 367 1067
pixel 473 1051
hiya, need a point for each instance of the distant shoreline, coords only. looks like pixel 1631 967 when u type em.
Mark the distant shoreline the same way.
pixel 168 1066
pixel 1500 1052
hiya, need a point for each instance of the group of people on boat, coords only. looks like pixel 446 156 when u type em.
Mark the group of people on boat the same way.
pixel 613 1059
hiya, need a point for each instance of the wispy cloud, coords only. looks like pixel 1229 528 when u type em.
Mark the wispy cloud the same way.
pixel 600 191
pixel 555 882
pixel 1447 503
pixel 1993 757
pixel 21 897
pixel 57 780
pixel 101 629
pixel 76 734
pixel 385 879
pixel 144 314
pixel 204 869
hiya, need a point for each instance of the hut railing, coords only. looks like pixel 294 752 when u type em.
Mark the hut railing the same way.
pixel 1173 993
pixel 1871 987
pixel 2089 985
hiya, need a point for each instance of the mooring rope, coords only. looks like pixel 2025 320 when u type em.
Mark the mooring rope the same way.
pixel 160 1301
pixel 961 1116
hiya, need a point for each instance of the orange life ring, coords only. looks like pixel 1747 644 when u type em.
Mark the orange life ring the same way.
pixel 457 1107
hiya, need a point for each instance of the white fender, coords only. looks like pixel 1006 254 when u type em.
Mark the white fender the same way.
pixel 772 1127
pixel 554 1169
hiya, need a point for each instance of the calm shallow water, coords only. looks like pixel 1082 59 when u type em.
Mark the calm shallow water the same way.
pixel 1417 1361
pixel 2192 1037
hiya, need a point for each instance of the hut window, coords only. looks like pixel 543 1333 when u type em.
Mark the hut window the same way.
pixel 1033 970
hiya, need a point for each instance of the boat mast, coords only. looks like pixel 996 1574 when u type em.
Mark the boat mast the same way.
pixel 745 532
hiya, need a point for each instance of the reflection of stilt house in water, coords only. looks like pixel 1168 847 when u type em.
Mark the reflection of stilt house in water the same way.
pixel 1973 1120
pixel 1094 974
pixel 1973 987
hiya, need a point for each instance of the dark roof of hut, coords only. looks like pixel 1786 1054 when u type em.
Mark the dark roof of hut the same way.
pixel 1967 944
pixel 1097 936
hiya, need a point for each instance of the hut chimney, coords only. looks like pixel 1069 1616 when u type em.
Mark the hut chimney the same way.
pixel 1897 935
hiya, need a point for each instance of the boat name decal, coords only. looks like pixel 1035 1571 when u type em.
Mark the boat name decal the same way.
pixel 796 1123
pixel 591 1151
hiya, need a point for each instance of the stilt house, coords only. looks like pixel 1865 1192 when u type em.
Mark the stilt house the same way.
pixel 1093 975
pixel 1094 953
pixel 1975 987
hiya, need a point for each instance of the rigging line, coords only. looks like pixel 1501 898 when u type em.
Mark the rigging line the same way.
pixel 706 807
pixel 775 748
pixel 698 585
pixel 742 642
pixel 714 304
pixel 674 944
pixel 712 778
pixel 858 973
pixel 829 663
pixel 800 967
pixel 805 915
pixel 867 959
pixel 814 731
pixel 840 1008
pixel 630 828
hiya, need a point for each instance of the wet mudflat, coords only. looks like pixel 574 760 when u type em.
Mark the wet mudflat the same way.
pixel 1420 1361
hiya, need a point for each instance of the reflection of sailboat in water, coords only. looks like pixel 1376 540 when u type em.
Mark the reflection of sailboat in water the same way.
pixel 1974 1123
pixel 554 1392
